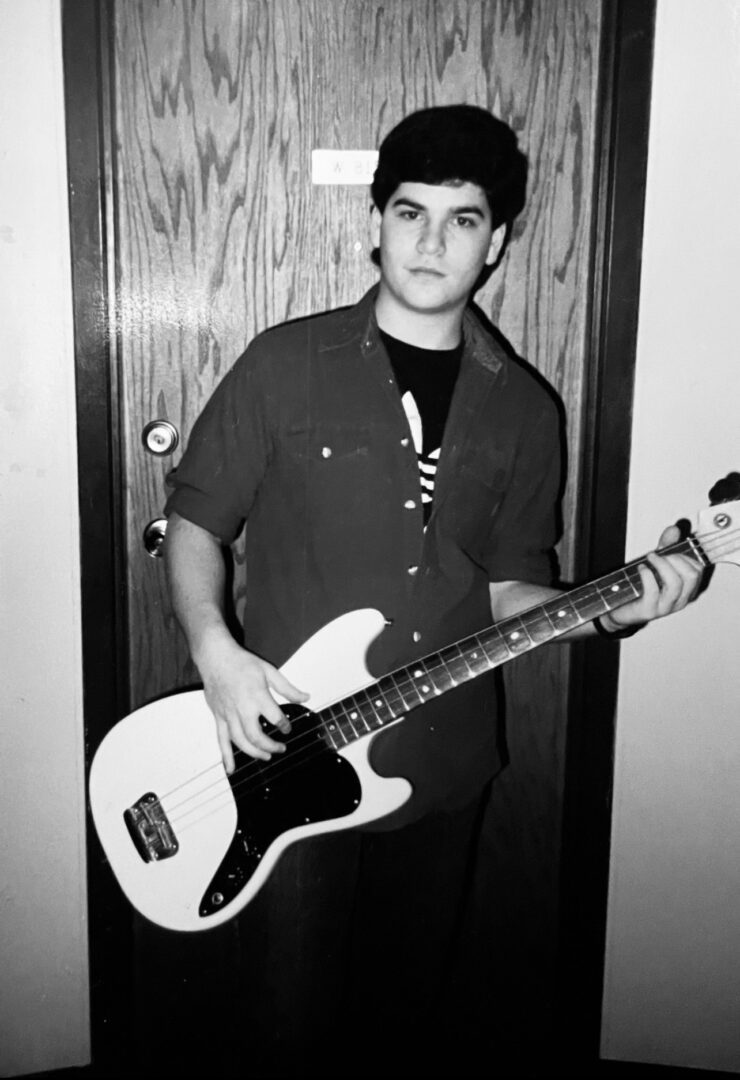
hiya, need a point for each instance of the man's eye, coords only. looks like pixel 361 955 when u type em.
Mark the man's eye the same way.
pixel 410 215
pixel 465 222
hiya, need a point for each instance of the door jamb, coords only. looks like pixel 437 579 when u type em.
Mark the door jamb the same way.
pixel 86 50
pixel 619 203
pixel 625 78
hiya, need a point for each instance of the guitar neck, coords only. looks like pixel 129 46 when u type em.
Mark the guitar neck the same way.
pixel 396 694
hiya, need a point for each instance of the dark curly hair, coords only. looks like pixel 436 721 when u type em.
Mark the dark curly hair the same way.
pixel 454 143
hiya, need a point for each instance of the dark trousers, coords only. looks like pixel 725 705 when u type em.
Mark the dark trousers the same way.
pixel 342 965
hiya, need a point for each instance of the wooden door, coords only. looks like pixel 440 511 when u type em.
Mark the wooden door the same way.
pixel 220 232
pixel 215 232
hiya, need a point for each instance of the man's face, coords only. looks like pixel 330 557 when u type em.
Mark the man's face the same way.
pixel 434 241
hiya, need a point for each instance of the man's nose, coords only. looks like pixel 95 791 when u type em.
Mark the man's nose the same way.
pixel 431 241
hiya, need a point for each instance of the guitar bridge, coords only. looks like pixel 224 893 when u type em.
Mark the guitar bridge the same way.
pixel 151 832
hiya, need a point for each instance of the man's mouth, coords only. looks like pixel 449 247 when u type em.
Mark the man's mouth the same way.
pixel 425 271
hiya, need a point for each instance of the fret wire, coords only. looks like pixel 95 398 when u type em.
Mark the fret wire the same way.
pixel 359 710
pixel 538 626
pixel 390 692
pixel 351 714
pixel 447 658
pixel 343 720
pixel 401 691
pixel 421 681
pixel 513 635
pixel 334 727
pixel 559 622
pixel 620 589
pixel 475 658
pixel 465 670
pixel 441 677
pixel 605 584
pixel 463 657
pixel 329 730
pixel 411 685
pixel 495 643
pixel 444 671
pixel 588 607
pixel 376 703
pixel 424 683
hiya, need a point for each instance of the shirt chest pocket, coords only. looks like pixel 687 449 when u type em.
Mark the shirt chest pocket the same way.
pixel 329 444
pixel 473 499
pixel 340 445
pixel 341 467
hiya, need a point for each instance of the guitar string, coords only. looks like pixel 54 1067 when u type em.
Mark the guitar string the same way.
pixel 299 755
pixel 257 765
pixel 404 684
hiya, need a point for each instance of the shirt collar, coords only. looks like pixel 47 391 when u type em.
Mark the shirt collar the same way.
pixel 359 322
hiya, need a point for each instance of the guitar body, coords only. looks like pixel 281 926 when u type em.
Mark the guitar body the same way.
pixel 191 846
pixel 215 838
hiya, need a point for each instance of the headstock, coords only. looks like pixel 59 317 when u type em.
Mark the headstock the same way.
pixel 718 529
pixel 725 490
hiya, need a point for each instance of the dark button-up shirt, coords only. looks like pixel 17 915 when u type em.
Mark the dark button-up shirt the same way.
pixel 307 441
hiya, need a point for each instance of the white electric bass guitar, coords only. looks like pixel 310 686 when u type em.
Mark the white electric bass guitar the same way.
pixel 191 845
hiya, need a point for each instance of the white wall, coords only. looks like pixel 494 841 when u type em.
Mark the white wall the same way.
pixel 672 990
pixel 44 1020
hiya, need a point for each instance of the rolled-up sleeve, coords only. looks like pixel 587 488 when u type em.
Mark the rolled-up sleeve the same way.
pixel 526 528
pixel 217 479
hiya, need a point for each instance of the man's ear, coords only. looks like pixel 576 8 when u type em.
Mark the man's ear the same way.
pixel 375 219
pixel 497 242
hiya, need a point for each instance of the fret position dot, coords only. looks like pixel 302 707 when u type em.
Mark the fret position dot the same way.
pixel 515 635
pixel 615 588
pixel 425 689
pixel 353 716
pixel 418 674
pixel 561 614
pixel 378 704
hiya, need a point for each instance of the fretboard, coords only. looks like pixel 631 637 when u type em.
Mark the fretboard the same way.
pixel 396 694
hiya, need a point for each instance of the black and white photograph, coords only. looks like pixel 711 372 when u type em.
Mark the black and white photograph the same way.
pixel 369 539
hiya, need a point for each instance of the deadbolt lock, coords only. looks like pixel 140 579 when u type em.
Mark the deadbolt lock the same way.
pixel 154 535
pixel 160 437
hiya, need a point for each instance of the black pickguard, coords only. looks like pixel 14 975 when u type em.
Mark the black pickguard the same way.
pixel 309 782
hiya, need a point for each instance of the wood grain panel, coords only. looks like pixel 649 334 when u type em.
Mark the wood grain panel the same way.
pixel 221 234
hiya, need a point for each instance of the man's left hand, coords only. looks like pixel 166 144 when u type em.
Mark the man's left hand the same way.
pixel 669 582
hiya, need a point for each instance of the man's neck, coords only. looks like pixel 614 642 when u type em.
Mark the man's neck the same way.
pixel 427 330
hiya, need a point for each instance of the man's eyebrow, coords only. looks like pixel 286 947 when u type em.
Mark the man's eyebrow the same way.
pixel 402 200
pixel 469 210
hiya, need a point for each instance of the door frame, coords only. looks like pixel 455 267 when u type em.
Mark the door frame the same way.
pixel 619 196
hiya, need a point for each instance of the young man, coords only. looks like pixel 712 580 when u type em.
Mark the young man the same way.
pixel 392 456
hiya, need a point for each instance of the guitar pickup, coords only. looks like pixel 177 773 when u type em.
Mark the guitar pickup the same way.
pixel 151 832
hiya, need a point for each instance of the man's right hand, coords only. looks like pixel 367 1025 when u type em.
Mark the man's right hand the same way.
pixel 238 687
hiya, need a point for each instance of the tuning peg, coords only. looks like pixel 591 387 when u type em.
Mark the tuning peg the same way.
pixel 726 490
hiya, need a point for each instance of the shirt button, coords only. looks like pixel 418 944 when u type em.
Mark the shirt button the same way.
pixel 326 451
pixel 412 570
pixel 416 635
pixel 404 442
pixel 409 505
